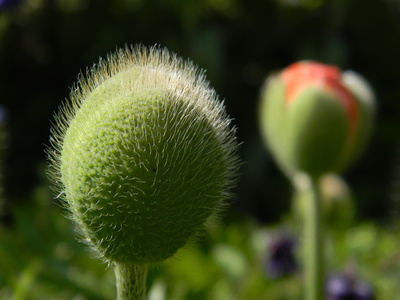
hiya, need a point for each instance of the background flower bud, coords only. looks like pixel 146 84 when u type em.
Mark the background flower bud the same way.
pixel 314 118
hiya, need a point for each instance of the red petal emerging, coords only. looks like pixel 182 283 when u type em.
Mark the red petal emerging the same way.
pixel 301 75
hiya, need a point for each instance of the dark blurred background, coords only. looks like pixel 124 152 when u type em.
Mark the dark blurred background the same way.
pixel 44 44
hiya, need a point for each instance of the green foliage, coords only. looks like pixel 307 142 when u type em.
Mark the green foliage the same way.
pixel 41 259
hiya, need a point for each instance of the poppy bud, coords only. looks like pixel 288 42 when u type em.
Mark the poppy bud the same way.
pixel 143 154
pixel 315 118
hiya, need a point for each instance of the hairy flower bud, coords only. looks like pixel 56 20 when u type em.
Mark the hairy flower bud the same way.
pixel 316 119
pixel 143 154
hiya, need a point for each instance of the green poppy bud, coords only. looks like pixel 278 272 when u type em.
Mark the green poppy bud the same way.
pixel 316 119
pixel 143 154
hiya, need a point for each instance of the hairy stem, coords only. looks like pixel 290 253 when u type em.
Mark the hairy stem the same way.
pixel 131 281
pixel 313 244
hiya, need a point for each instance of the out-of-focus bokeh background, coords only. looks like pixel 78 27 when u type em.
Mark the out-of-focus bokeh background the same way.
pixel 44 44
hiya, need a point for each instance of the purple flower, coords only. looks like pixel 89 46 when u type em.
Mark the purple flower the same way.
pixel 3 112
pixel 281 259
pixel 9 4
pixel 348 287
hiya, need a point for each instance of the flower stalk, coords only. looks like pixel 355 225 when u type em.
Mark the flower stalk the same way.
pixel 313 243
pixel 131 281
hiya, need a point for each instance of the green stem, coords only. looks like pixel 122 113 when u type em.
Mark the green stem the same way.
pixel 131 281
pixel 313 244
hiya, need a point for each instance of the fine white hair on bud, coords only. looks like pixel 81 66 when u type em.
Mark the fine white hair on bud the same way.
pixel 143 154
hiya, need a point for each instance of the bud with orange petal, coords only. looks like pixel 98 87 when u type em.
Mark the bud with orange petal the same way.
pixel 315 118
